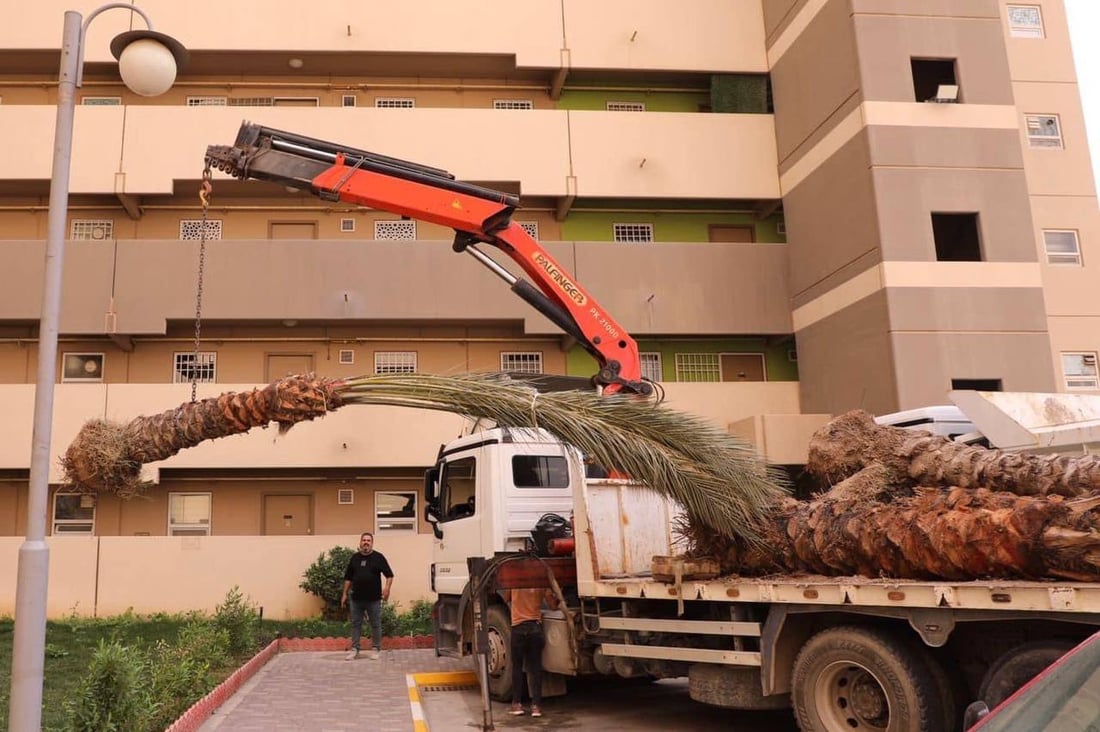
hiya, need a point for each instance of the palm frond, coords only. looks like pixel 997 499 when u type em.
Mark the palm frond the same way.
pixel 720 481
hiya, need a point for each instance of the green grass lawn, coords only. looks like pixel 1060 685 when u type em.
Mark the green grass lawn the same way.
pixel 70 644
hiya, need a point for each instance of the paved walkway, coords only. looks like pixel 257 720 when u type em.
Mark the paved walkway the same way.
pixel 321 692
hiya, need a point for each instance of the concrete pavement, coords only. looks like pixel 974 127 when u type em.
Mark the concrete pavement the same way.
pixel 311 691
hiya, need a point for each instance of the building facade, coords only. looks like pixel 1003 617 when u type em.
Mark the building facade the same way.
pixel 797 207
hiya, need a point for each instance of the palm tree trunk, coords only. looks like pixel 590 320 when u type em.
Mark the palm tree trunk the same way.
pixel 957 534
pixel 853 441
pixel 107 456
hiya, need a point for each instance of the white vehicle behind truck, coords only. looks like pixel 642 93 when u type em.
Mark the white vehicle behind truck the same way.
pixel 845 652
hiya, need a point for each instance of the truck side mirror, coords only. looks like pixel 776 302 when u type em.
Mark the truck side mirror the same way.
pixel 974 713
pixel 432 517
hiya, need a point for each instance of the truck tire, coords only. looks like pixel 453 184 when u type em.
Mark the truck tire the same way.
pixel 857 678
pixel 1018 666
pixel 498 627
pixel 732 687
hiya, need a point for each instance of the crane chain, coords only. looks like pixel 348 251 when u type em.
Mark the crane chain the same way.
pixel 204 198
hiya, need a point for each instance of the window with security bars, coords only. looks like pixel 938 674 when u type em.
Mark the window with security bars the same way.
pixel 651 366
pixel 1079 370
pixel 698 367
pixel 1062 247
pixel 207 101
pixel 626 106
pixel 192 229
pixel 189 514
pixel 395 230
pixel 1044 130
pixel 632 233
pixel 201 367
pixel 252 102
pixel 395 102
pixel 73 513
pixel 1025 21
pixel 513 104
pixel 523 362
pixel 395 362
pixel 91 229
pixel 531 227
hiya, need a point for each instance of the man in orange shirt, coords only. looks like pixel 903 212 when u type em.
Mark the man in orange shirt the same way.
pixel 527 643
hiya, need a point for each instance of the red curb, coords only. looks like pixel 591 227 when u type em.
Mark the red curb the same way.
pixel 197 714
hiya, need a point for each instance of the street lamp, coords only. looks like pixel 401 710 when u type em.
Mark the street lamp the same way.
pixel 147 63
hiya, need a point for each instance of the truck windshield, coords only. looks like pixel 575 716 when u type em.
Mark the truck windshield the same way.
pixel 540 471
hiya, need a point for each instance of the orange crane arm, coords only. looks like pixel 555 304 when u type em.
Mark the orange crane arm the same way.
pixel 477 215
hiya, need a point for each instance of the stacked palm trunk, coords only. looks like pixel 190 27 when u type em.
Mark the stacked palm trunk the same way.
pixel 913 505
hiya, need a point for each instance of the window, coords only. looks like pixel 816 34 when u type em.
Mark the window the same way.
pixel 73 513
pixel 201 368
pixel 513 104
pixel 395 511
pixel 347 357
pixel 91 229
pixel 1025 21
pixel 189 514
pixel 977 384
pixel 345 497
pixel 956 237
pixel 531 227
pixel 651 366
pixel 540 471
pixel 1062 247
pixel 252 102
pixel 207 101
pixel 395 102
pixel 77 367
pixel 626 106
pixel 347 226
pixel 934 80
pixel 521 362
pixel 457 483
pixel 295 102
pixel 348 100
pixel 192 229
pixel 399 230
pixel 395 362
pixel 632 233
pixel 698 367
pixel 101 101
pixel 1044 130
pixel 1079 370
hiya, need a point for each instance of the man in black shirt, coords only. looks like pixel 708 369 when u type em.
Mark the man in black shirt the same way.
pixel 363 578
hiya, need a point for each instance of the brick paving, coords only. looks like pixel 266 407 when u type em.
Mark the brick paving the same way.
pixel 321 692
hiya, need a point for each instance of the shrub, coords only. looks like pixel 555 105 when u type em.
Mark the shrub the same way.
pixel 238 617
pixel 180 674
pixel 417 621
pixel 110 697
pixel 325 579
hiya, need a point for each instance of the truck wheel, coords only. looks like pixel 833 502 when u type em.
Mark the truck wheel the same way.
pixel 498 627
pixel 854 678
pixel 1017 667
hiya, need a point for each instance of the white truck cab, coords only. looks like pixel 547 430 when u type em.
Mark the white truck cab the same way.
pixel 488 490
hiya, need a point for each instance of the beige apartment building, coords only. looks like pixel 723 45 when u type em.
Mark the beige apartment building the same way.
pixel 797 207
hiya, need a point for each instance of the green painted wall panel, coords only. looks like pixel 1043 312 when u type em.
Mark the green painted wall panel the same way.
pixel 667 227
pixel 654 102
pixel 778 365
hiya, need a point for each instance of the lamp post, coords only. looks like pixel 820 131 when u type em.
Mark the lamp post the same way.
pixel 147 63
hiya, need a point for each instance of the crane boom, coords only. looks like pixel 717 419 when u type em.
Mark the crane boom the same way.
pixel 477 215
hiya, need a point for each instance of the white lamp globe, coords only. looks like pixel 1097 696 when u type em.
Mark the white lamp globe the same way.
pixel 147 67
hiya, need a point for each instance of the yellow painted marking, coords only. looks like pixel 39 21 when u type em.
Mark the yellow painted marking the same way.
pixel 445 677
